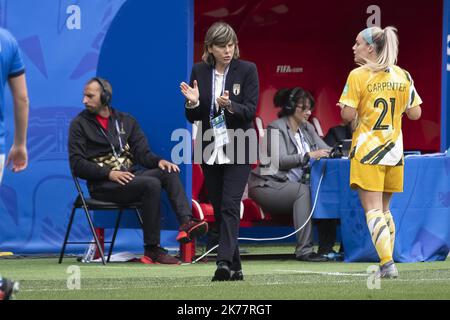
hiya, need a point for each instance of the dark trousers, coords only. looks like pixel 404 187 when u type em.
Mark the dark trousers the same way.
pixel 326 229
pixel 287 198
pixel 146 188
pixel 225 185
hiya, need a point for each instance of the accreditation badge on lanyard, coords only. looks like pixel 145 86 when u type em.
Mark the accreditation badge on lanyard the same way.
pixel 119 132
pixel 220 131
pixel 218 123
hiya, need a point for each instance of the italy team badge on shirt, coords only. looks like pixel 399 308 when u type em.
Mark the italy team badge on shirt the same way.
pixel 236 89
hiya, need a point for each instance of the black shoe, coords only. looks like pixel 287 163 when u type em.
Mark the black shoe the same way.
pixel 192 229
pixel 158 254
pixel 312 257
pixel 8 288
pixel 236 275
pixel 223 272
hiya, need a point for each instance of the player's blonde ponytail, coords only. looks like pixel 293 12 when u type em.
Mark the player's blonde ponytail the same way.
pixel 385 42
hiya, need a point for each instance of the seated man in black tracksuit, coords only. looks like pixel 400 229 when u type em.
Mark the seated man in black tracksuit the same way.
pixel 109 150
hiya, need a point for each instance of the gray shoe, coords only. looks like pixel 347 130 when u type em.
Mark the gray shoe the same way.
pixel 387 271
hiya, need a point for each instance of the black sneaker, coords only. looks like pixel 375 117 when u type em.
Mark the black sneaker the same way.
pixel 192 229
pixel 223 272
pixel 8 288
pixel 236 275
pixel 312 257
pixel 160 255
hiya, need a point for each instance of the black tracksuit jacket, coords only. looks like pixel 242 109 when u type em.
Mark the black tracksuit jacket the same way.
pixel 86 141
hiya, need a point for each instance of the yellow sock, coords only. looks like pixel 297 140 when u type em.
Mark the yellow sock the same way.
pixel 391 225
pixel 379 232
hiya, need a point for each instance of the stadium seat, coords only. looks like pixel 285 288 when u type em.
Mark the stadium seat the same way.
pixel 259 125
pixel 201 208
pixel 315 121
pixel 87 204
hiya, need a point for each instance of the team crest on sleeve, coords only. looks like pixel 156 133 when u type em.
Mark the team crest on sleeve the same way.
pixel 236 89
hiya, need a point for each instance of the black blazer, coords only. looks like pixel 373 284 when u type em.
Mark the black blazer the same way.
pixel 243 85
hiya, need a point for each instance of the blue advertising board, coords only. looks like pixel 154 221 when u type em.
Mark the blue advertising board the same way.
pixel 144 49
pixel 445 128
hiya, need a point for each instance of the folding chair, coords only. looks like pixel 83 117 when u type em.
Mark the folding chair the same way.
pixel 81 202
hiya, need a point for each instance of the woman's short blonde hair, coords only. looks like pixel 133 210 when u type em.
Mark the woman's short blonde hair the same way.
pixel 385 43
pixel 219 34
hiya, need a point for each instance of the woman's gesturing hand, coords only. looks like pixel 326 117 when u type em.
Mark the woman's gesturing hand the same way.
pixel 190 93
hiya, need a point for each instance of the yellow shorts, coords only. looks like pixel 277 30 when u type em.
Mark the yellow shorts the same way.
pixel 379 178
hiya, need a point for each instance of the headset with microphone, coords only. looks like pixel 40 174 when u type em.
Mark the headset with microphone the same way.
pixel 105 95
pixel 291 104
pixel 105 100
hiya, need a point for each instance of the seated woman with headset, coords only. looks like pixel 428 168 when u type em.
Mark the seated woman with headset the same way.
pixel 282 186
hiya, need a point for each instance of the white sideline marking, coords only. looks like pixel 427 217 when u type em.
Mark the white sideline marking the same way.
pixel 247 284
pixel 115 288
pixel 326 273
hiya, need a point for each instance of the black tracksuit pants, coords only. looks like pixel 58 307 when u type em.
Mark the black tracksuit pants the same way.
pixel 146 188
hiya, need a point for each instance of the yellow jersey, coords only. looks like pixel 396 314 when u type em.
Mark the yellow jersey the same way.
pixel 380 99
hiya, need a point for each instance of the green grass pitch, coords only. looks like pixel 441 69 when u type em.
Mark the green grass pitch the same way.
pixel 272 279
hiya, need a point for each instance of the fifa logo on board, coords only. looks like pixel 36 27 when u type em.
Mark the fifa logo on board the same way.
pixel 288 69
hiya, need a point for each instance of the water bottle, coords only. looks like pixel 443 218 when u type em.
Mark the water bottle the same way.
pixel 89 253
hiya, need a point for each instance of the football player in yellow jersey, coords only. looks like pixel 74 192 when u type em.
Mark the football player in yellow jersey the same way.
pixel 377 94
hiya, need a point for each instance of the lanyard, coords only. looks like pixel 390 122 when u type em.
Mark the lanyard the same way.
pixel 120 140
pixel 118 134
pixel 213 86
pixel 302 141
